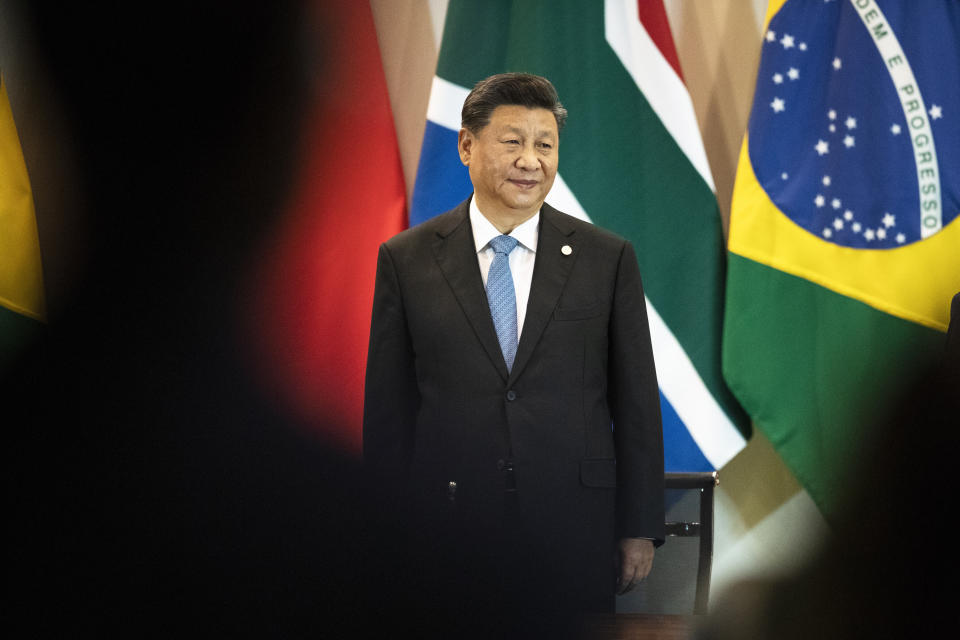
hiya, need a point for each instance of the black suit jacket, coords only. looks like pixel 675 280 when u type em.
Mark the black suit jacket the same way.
pixel 440 406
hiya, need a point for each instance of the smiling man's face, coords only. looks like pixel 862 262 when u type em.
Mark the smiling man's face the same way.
pixel 512 161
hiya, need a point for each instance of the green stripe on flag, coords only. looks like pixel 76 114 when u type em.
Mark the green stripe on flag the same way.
pixel 815 369
pixel 619 160
pixel 475 41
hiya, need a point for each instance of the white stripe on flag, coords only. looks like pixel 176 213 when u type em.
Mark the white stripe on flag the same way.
pixel 656 79
pixel 708 424
pixel 446 101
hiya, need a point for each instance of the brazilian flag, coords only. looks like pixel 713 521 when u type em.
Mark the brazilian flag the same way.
pixel 844 248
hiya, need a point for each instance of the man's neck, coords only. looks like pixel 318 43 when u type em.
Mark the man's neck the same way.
pixel 505 222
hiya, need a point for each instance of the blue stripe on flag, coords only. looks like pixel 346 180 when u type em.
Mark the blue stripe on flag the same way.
pixel 442 180
pixel 680 451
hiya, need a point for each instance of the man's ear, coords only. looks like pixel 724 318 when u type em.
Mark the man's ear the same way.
pixel 465 145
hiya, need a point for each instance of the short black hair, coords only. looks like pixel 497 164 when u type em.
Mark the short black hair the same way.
pixel 524 89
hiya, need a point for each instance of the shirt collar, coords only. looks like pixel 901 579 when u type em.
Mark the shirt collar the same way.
pixel 526 234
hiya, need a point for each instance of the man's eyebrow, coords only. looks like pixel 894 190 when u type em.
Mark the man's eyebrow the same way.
pixel 542 133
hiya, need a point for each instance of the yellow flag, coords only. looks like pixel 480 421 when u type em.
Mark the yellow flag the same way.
pixel 21 273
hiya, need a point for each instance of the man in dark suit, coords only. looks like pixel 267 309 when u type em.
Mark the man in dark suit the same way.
pixel 507 338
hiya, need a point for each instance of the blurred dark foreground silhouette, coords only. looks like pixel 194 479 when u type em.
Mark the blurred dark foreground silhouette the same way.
pixel 152 486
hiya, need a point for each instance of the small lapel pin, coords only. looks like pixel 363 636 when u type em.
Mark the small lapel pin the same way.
pixel 566 250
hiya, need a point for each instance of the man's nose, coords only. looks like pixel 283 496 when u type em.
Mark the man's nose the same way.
pixel 528 159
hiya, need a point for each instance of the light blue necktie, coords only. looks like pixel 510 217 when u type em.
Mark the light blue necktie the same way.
pixel 503 298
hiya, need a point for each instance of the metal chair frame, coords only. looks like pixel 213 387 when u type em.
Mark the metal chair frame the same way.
pixel 704 482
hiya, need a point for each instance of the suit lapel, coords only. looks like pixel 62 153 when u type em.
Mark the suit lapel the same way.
pixel 457 257
pixel 551 268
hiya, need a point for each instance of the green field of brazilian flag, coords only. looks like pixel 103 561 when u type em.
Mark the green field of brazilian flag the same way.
pixel 631 160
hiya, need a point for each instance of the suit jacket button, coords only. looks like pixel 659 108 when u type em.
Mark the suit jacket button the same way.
pixel 511 395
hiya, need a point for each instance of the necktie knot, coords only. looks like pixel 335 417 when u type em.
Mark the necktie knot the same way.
pixel 503 244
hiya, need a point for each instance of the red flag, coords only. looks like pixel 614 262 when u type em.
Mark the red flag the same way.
pixel 316 285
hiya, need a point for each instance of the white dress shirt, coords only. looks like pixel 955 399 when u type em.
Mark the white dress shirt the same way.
pixel 521 258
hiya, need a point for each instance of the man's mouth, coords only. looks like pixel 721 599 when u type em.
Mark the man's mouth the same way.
pixel 524 184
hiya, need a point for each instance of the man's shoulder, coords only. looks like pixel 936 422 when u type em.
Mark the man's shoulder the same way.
pixel 440 225
pixel 567 224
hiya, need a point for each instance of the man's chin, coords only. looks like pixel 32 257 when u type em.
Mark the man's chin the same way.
pixel 526 201
pixel 525 211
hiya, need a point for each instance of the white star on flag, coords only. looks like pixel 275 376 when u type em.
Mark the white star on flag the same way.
pixel 848 215
pixel 836 63
pixel 827 232
pixel 832 114
pixel 822 147
pixel 848 141
pixel 881 233
pixel 868 234
pixel 889 220
pixel 835 203
pixel 793 73
pixel 771 36
pixel 856 227
pixel 936 112
pixel 777 78
pixel 802 46
pixel 787 41
pixel 826 181
pixel 901 238
pixel 819 200
pixel 895 129
pixel 778 105
pixel 784 176
pixel 837 224
pixel 851 122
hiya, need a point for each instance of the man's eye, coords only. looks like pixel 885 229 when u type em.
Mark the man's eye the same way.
pixel 512 141
pixel 546 145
